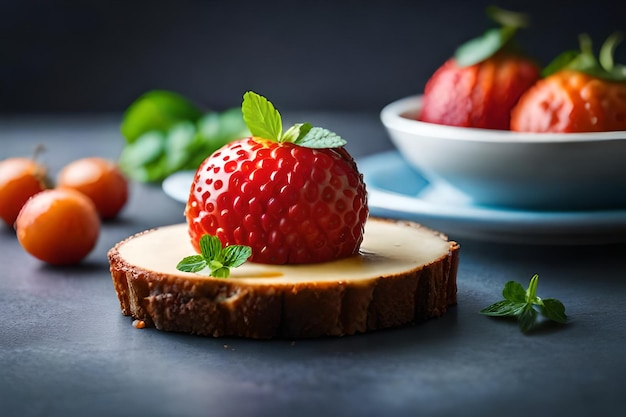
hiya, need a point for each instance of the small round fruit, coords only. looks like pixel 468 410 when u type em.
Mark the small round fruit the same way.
pixel 99 179
pixel 20 178
pixel 58 226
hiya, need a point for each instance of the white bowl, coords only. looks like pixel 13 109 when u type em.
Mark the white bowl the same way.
pixel 538 171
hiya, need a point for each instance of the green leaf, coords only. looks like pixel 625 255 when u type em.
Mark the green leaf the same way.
pixel 526 305
pixel 585 61
pixel 606 56
pixel 527 318
pixel 178 143
pixel 479 49
pixel 215 258
pixel 217 129
pixel 503 308
pixel 296 132
pixel 156 110
pixel 554 310
pixel 606 52
pixel 560 62
pixel 235 255
pixel 214 130
pixel 147 148
pixel 492 40
pixel 514 291
pixel 261 117
pixel 264 121
pixel 508 18
pixel 210 247
pixel 142 159
pixel 192 263
pixel 318 137
pixel 531 292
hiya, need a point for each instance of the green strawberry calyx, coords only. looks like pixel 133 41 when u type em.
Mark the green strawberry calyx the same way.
pixel 264 121
pixel 493 40
pixel 586 62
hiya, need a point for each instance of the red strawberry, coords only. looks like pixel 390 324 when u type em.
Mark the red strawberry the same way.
pixel 479 86
pixel 289 202
pixel 578 94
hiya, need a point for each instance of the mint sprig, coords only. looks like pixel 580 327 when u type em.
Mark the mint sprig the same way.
pixel 525 305
pixel 165 132
pixel 264 121
pixel 215 258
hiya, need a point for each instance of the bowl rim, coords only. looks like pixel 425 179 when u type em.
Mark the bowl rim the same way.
pixel 395 115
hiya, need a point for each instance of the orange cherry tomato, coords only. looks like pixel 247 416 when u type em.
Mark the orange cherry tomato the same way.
pixel 20 178
pixel 58 226
pixel 99 179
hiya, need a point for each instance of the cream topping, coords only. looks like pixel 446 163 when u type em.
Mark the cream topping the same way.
pixel 388 248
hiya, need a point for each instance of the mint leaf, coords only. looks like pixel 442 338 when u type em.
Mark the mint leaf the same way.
pixel 531 292
pixel 513 291
pixel 216 258
pixel 219 128
pixel 144 159
pixel 192 263
pixel 296 132
pixel 235 255
pixel 554 310
pixel 147 148
pixel 525 305
pixel 164 134
pixel 210 247
pixel 156 110
pixel 261 117
pixel 178 143
pixel 214 130
pixel 264 121
pixel 492 40
pixel 503 308
pixel 478 49
pixel 527 318
pixel 319 137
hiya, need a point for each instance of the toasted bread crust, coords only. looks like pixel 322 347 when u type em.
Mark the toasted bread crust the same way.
pixel 223 307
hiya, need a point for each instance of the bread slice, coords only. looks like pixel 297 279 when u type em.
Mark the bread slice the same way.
pixel 404 274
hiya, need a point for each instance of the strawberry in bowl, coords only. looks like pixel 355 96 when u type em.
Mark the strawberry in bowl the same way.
pixel 578 93
pixel 483 81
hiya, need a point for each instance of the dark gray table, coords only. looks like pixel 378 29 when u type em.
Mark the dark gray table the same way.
pixel 66 350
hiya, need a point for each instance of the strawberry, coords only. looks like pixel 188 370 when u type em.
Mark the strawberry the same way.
pixel 479 86
pixel 294 197
pixel 577 94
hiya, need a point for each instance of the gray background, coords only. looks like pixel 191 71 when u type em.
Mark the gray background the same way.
pixel 77 56
pixel 65 349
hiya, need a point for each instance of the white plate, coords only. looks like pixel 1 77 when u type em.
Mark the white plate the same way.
pixel 178 184
pixel 396 190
